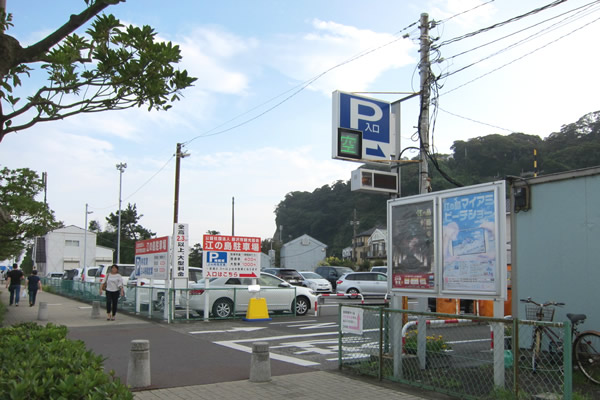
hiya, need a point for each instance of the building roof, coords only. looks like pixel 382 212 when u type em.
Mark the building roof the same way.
pixel 305 236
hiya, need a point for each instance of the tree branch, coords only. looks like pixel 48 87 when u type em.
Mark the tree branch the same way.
pixel 36 51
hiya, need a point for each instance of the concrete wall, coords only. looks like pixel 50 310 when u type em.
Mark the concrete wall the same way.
pixel 65 249
pixel 557 245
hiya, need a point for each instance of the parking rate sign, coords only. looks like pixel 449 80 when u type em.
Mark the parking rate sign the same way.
pixel 151 257
pixel 231 256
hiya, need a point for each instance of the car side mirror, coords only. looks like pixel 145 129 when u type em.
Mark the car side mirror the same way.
pixel 285 284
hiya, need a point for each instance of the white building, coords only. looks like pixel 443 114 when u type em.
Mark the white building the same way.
pixel 303 253
pixel 63 249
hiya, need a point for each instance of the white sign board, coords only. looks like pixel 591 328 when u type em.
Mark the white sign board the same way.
pixel 181 251
pixel 152 257
pixel 352 320
pixel 231 256
pixel 362 128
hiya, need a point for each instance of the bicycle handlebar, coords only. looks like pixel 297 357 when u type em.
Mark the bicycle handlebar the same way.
pixel 546 304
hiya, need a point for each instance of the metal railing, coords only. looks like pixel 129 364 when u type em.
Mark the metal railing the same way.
pixel 458 358
pixel 186 304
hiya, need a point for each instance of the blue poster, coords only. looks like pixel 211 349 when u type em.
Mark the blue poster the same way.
pixel 469 242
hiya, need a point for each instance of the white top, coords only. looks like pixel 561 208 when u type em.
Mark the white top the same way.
pixel 114 282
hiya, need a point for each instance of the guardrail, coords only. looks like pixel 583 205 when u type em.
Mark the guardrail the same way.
pixel 320 299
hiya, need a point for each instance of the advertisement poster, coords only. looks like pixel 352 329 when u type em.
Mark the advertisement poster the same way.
pixel 469 242
pixel 231 256
pixel 151 258
pixel 413 265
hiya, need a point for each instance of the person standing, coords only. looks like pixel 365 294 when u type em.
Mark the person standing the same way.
pixel 113 285
pixel 33 285
pixel 13 283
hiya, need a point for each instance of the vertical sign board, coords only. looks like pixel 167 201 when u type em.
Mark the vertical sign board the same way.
pixel 151 258
pixel 352 320
pixel 450 243
pixel 362 129
pixel 180 250
pixel 231 256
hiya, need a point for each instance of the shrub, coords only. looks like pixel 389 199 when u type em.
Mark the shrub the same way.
pixel 434 344
pixel 39 362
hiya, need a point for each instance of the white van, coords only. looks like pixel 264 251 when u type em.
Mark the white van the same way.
pixel 125 271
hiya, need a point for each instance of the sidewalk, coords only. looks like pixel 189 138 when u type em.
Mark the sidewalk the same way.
pixel 304 384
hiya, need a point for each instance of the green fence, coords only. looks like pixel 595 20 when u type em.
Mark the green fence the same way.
pixel 186 304
pixel 454 354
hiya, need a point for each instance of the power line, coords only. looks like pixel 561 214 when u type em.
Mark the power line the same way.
pixel 586 6
pixel 299 88
pixel 535 35
pixel 499 24
pixel 520 58
pixel 474 120
pixel 464 12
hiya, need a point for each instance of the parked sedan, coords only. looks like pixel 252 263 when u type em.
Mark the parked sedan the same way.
pixel 278 293
pixel 316 282
pixel 365 283
pixel 287 274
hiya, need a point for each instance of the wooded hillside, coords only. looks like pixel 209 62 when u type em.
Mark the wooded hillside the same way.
pixel 325 214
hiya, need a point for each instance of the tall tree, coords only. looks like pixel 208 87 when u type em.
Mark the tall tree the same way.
pixel 131 231
pixel 112 67
pixel 24 217
pixel 195 259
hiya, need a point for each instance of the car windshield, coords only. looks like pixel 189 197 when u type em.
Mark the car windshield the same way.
pixel 343 270
pixel 290 274
pixel 311 275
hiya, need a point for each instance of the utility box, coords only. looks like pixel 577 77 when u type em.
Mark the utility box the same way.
pixel 370 180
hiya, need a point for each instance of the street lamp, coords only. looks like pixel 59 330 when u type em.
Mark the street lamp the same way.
pixel 85 238
pixel 121 167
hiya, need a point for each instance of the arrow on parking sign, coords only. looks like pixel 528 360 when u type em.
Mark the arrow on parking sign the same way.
pixel 375 152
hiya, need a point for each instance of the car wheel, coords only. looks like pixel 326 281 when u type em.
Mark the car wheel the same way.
pixel 353 292
pixel 223 308
pixel 302 305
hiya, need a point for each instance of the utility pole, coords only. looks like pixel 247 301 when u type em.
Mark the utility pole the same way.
pixel 178 156
pixel 233 216
pixel 354 224
pixel 424 72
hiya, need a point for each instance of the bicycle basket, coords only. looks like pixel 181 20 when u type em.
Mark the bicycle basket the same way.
pixel 532 312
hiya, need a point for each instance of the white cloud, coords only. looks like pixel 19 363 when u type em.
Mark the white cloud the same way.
pixel 304 56
pixel 213 55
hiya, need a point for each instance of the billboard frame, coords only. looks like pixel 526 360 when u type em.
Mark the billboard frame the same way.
pixel 471 257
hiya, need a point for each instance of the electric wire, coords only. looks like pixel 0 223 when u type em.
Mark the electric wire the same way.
pixel 499 24
pixel 521 57
pixel 533 36
pixel 464 12
pixel 578 9
pixel 299 88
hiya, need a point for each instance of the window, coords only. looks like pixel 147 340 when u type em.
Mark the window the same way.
pixel 72 243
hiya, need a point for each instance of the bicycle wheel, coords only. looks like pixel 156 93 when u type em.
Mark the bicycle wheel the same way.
pixel 587 355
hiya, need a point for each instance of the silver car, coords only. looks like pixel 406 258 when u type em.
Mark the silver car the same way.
pixel 315 282
pixel 365 283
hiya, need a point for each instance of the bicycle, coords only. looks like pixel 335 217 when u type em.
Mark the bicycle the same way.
pixel 585 345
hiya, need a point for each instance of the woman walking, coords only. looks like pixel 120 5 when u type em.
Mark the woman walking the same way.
pixel 113 285
pixel 33 285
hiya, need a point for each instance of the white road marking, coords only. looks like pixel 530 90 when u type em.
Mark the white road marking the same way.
pixel 288 322
pixel 244 329
pixel 84 308
pixel 235 344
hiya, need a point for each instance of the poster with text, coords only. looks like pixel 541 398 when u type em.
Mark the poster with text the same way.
pixel 469 257
pixel 413 265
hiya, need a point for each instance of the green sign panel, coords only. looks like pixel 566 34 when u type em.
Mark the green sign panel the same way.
pixel 349 143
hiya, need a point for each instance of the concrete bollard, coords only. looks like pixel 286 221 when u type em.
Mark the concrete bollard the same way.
pixel 95 309
pixel 260 364
pixel 138 370
pixel 43 311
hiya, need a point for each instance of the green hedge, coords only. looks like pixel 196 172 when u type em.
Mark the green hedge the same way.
pixel 38 362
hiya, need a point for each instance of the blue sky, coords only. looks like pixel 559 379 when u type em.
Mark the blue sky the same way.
pixel 250 55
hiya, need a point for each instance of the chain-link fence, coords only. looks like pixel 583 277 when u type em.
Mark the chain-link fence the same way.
pixel 186 304
pixel 469 357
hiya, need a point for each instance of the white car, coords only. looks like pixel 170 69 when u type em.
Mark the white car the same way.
pixel 142 286
pixel 278 293
pixel 316 282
